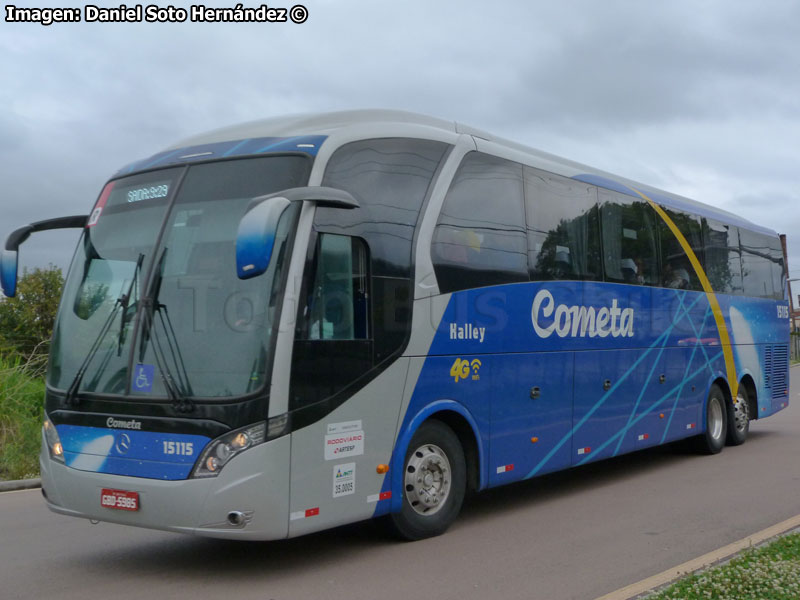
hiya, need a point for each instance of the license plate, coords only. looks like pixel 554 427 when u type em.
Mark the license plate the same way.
pixel 119 499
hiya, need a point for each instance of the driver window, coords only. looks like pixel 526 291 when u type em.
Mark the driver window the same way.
pixel 337 308
pixel 332 347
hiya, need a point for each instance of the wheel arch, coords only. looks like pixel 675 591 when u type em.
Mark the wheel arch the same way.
pixel 748 383
pixel 459 419
pixel 746 380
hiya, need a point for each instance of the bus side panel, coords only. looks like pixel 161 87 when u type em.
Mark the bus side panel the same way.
pixel 654 396
pixel 607 384
pixel 334 464
pixel 761 334
pixel 610 380
pixel 669 408
pixel 531 414
pixel 628 399
pixel 674 334
pixel 693 358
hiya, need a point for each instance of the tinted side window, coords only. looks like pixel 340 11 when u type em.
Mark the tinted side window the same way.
pixel 480 237
pixel 722 256
pixel 337 304
pixel 390 178
pixel 563 227
pixel 676 269
pixel 757 264
pixel 332 348
pixel 630 245
pixel 778 269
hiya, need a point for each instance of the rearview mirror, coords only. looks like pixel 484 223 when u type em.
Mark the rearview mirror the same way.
pixel 9 259
pixel 256 235
pixel 8 272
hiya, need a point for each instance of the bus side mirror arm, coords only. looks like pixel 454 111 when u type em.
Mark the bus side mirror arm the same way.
pixel 9 260
pixel 256 235
pixel 321 196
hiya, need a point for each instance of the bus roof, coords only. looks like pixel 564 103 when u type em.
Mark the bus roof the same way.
pixel 316 127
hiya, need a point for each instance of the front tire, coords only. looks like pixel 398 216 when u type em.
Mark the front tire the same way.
pixel 434 483
pixel 712 441
pixel 739 419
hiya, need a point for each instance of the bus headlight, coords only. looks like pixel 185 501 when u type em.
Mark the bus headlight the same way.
pixel 51 440
pixel 219 452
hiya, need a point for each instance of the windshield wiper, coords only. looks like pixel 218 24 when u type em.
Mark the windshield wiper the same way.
pixel 180 390
pixel 125 301
pixel 121 302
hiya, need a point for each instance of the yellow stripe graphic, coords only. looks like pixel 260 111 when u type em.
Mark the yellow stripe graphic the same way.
pixel 724 338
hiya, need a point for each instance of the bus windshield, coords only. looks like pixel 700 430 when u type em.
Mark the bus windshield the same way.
pixel 193 328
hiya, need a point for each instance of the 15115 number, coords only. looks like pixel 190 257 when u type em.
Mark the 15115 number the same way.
pixel 179 448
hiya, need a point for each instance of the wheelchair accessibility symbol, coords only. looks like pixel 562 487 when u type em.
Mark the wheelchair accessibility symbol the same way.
pixel 143 378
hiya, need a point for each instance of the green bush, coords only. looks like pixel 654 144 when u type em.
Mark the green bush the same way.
pixel 26 325
pixel 21 413
pixel 26 321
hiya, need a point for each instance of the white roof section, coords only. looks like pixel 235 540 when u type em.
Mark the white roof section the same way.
pixel 363 124
pixel 317 124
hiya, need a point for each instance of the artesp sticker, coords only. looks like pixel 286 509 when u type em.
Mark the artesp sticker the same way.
pixel 344 445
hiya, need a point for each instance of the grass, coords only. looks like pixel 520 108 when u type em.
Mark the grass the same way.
pixel 770 572
pixel 21 410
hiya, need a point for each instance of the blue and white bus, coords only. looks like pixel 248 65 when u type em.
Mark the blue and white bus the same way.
pixel 289 325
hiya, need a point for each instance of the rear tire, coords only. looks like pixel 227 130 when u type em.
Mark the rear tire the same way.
pixel 434 482
pixel 738 419
pixel 712 441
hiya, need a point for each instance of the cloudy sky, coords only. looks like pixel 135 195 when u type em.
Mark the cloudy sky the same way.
pixel 700 98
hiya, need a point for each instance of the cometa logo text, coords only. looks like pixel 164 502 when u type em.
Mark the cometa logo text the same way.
pixel 118 424
pixel 580 321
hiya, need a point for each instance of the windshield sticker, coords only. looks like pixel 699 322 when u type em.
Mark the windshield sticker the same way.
pixel 143 378
pixel 344 480
pixel 95 217
pixel 101 203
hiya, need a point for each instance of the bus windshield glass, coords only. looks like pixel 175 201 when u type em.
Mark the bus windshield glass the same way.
pixel 193 328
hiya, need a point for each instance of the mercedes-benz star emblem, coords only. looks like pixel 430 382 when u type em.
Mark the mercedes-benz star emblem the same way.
pixel 123 443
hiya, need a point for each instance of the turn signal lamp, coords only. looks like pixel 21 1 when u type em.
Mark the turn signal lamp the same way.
pixel 381 469
pixel 240 442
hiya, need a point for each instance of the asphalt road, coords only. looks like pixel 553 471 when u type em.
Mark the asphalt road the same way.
pixel 577 534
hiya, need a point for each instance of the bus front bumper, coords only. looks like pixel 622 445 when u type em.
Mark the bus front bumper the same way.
pixel 254 485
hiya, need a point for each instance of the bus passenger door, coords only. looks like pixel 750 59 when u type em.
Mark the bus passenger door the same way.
pixel 531 415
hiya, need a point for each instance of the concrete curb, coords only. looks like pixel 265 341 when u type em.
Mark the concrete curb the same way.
pixel 644 588
pixel 20 484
